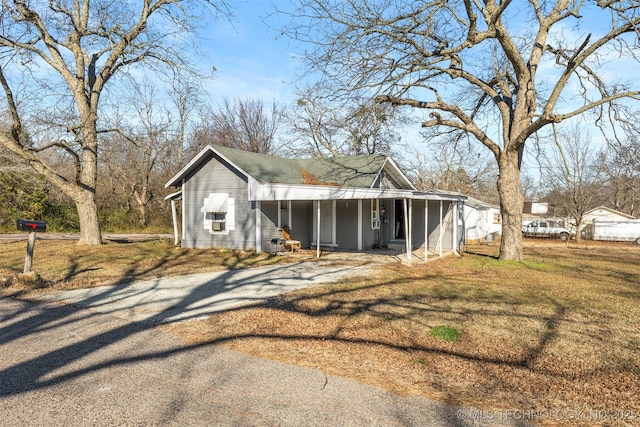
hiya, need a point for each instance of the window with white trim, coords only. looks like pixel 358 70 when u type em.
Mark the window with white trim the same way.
pixel 284 214
pixel 375 214
pixel 219 213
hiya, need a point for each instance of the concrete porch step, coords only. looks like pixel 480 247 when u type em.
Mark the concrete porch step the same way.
pixel 397 245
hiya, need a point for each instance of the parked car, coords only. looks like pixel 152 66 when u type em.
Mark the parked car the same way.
pixel 546 228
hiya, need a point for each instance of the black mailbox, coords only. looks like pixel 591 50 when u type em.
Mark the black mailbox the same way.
pixel 29 225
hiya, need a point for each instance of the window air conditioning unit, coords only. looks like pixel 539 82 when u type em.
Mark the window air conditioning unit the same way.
pixel 217 226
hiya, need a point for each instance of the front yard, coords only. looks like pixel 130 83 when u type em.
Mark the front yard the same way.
pixel 558 334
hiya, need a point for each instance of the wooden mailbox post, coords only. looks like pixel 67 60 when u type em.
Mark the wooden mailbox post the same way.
pixel 32 227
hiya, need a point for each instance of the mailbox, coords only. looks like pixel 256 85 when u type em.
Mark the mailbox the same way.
pixel 29 225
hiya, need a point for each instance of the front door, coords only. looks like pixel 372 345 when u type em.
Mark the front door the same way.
pixel 399 220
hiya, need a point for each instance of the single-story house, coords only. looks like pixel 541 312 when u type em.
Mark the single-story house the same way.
pixel 242 200
pixel 482 221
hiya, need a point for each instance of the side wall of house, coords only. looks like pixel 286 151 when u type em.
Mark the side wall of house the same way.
pixel 269 223
pixel 434 224
pixel 216 176
pixel 347 224
pixel 300 227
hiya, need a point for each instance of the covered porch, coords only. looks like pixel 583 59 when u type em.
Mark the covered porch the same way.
pixel 354 219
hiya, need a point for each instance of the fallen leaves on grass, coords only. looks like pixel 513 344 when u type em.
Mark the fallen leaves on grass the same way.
pixel 557 332
pixel 64 265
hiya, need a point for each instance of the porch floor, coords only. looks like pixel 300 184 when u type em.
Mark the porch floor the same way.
pixel 378 256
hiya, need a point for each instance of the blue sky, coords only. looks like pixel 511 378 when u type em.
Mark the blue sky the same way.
pixel 250 60
pixel 253 62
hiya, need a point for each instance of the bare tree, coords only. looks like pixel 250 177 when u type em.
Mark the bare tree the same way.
pixel 320 127
pixel 77 47
pixel 453 170
pixel 132 152
pixel 499 71
pixel 572 175
pixel 621 168
pixel 315 127
pixel 242 124
pixel 187 98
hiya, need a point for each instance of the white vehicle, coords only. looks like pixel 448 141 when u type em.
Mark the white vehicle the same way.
pixel 546 228
pixel 618 231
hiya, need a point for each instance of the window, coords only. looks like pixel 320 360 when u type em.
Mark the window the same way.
pixel 497 218
pixel 219 213
pixel 375 214
pixel 284 214
pixel 218 222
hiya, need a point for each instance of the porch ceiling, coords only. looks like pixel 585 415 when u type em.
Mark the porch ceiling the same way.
pixel 264 192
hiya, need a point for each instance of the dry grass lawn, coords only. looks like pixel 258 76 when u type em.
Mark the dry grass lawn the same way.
pixel 558 332
pixel 63 264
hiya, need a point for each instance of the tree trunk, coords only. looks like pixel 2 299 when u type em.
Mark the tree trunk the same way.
pixel 578 232
pixel 85 191
pixel 142 199
pixel 511 206
pixel 85 201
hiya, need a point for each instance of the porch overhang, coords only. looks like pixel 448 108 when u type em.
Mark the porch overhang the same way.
pixel 272 192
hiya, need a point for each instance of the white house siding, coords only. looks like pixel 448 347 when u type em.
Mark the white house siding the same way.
pixel 479 223
pixel 214 177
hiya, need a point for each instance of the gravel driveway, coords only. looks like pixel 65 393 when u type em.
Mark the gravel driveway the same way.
pixel 170 299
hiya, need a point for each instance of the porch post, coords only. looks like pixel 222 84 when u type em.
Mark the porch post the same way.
pixel 258 226
pixel 183 226
pixel 406 229
pixel 359 224
pixel 280 216
pixel 426 230
pixel 174 215
pixel 441 231
pixel 410 231
pixel 318 232
pixel 454 226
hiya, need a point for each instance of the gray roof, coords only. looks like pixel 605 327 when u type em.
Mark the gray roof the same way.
pixel 356 171
pixel 353 171
pixel 479 204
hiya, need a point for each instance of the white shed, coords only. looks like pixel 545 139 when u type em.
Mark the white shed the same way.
pixel 601 213
pixel 605 213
